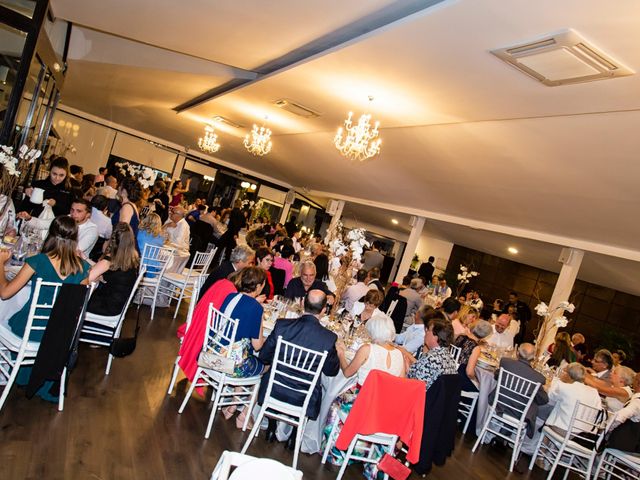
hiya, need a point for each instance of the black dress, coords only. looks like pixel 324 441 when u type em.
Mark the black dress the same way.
pixel 60 193
pixel 109 298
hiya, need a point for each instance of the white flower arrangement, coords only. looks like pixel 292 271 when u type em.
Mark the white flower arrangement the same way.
pixel 145 175
pixel 13 164
pixel 464 277
pixel 550 320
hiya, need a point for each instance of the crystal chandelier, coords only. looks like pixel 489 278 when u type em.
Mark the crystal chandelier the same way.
pixel 258 142
pixel 209 143
pixel 359 141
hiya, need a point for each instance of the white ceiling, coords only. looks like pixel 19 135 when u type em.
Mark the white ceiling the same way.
pixel 466 138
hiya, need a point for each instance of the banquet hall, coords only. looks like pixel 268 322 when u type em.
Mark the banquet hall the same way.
pixel 473 162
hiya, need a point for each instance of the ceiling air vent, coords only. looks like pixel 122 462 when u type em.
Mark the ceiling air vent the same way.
pixel 295 108
pixel 226 121
pixel 562 59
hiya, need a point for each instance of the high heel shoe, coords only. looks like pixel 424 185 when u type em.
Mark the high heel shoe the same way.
pixel 240 421
pixel 229 411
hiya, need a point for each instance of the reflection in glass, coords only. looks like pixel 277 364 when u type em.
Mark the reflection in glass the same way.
pixel 24 7
pixel 12 42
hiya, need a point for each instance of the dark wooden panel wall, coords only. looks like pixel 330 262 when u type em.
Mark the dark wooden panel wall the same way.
pixel 605 316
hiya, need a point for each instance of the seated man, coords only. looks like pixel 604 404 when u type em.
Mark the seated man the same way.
pixel 177 231
pixel 413 337
pixel 307 332
pixel 504 331
pixel 299 286
pixel 373 279
pixel 414 300
pixel 241 256
pixel 355 292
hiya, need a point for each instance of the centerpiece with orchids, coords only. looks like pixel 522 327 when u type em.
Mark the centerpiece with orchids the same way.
pixel 14 166
pixel 464 277
pixel 346 248
pixel 550 320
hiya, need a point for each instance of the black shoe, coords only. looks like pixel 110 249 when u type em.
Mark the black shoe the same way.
pixel 271 431
pixel 291 442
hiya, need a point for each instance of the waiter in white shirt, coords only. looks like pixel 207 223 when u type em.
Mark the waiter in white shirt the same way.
pixel 504 330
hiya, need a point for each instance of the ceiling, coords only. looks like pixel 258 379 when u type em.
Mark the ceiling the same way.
pixel 467 139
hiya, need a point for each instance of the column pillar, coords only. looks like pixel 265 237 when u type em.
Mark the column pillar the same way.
pixel 337 213
pixel 285 213
pixel 571 259
pixel 410 249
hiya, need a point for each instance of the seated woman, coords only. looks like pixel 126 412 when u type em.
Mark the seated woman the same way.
pixel 150 233
pixel 470 352
pixel 435 359
pixel 466 316
pixel 380 354
pixel 561 350
pixel 368 306
pixel 619 392
pixel 283 262
pixel 264 260
pixel 117 273
pixel 244 307
pixel 58 262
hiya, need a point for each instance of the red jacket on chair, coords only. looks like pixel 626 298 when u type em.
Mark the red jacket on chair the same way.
pixel 387 404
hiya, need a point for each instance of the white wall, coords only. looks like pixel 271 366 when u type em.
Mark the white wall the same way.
pixel 429 246
pixel 92 143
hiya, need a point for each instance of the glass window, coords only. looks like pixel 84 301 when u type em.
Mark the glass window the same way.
pixel 12 42
pixel 24 7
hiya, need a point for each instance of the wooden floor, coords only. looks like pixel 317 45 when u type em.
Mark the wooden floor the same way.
pixel 125 426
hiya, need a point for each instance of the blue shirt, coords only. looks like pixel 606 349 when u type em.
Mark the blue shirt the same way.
pixel 249 313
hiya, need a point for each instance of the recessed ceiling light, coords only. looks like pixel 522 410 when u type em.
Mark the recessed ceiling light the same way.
pixel 513 250
pixel 394 221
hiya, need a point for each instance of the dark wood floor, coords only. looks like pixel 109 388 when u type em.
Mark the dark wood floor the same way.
pixel 125 426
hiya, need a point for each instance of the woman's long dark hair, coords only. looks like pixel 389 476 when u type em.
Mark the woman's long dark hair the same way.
pixel 322 267
pixel 62 243
pixel 122 248
pixel 63 163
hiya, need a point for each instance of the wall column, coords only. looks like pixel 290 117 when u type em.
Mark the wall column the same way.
pixel 571 259
pixel 410 249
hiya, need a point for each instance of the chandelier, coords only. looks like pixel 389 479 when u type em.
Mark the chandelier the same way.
pixel 359 141
pixel 209 143
pixel 258 142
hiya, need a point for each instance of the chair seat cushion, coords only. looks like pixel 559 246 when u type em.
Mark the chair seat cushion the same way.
pixel 107 321
pixel 558 438
pixel 178 278
pixel 13 342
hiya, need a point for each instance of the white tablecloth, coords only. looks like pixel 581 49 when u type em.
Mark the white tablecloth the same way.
pixel 487 385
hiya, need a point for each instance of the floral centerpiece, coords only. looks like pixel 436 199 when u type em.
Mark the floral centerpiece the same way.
pixel 551 320
pixel 465 275
pixel 13 168
pixel 346 249
pixel 145 175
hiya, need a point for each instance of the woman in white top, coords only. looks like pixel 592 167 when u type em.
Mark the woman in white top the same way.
pixel 619 392
pixel 380 354
pixel 368 307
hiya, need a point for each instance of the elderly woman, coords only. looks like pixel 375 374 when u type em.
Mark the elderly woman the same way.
pixel 619 392
pixel 470 352
pixel 437 360
pixel 466 316
pixel 369 306
pixel 380 354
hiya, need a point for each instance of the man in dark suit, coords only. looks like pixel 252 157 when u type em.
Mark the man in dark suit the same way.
pixel 426 269
pixel 307 332
pixel 241 256
pixel 373 279
pixel 522 367
pixel 299 286
pixel 523 312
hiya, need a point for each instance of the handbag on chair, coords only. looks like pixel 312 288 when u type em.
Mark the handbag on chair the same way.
pixel 393 467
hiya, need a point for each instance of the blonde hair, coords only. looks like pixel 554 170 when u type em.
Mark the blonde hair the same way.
pixel 466 310
pixel 151 224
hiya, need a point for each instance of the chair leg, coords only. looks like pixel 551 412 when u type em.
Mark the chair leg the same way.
pixel 345 462
pixel 182 291
pixel 109 360
pixel 63 380
pixel 299 433
pixel 190 391
pixel 254 431
pixel 555 463
pixel 516 449
pixel 249 407
pixel 472 409
pixel 214 409
pixel 482 433
pixel 535 453
pixel 10 380
pixel 174 376
pixel 330 440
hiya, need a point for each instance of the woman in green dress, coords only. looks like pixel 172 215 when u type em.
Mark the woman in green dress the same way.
pixel 58 262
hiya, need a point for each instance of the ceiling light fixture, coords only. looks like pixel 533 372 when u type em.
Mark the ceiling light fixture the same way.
pixel 360 141
pixel 209 143
pixel 258 142
pixel 394 221
pixel 512 250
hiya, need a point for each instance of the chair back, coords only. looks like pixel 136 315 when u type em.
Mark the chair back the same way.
pixel 197 286
pixel 295 370
pixel 455 353
pixel 587 425
pixel 514 394
pixel 123 312
pixel 156 259
pixel 392 307
pixel 200 264
pixel 221 332
pixel 44 297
